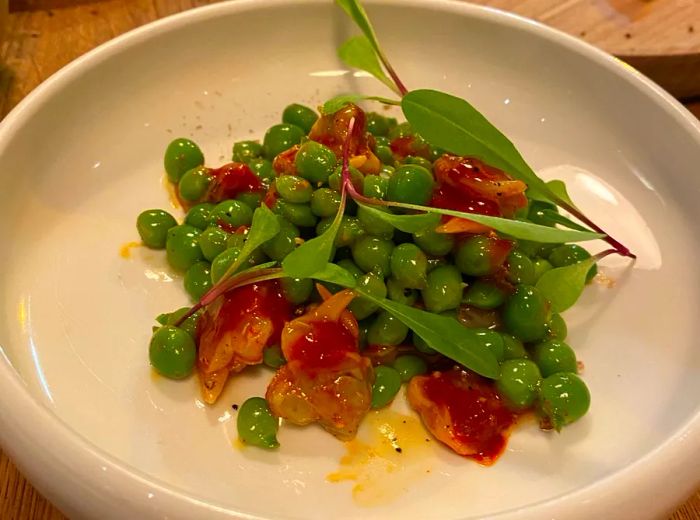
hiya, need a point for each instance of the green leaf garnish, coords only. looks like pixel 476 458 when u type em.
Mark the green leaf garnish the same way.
pixel 414 223
pixel 333 273
pixel 563 286
pixel 334 104
pixel 359 53
pixel 555 218
pixel 559 189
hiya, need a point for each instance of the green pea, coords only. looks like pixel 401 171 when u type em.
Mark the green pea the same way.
pixel 570 254
pixel 518 383
pixel 284 242
pixel 262 168
pixel 436 262
pixel 325 202
pixel 356 177
pixel 182 246
pixel 194 184
pixel 234 213
pixel 536 212
pixel 409 366
pixel 375 186
pixel 541 266
pixel 181 155
pixel 520 268
pixel 189 325
pixel 410 184
pixel 387 383
pixel 443 290
pixel 436 153
pixel 385 154
pixel 409 266
pixel 513 348
pixel 273 357
pixel 422 346
pixel 557 328
pixel 221 263
pixel 172 352
pixel 526 313
pixel 198 216
pixel 399 293
pixel 386 330
pixel 198 280
pixel 373 224
pixel 377 124
pixel 280 138
pixel 293 188
pixel 351 267
pixel 315 162
pixel 251 199
pixel 420 161
pixel 372 284
pixel 493 341
pixel 212 242
pixel 153 226
pixel 299 115
pixel 401 130
pixel 563 398
pixel 235 240
pixel 298 214
pixel 434 243
pixel 381 140
pixel 244 151
pixel 256 425
pixel 373 254
pixel 474 256
pixel 484 295
pixel 350 230
pixel 554 356
pixel 297 290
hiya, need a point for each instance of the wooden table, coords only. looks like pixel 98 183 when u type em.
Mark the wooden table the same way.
pixel 41 37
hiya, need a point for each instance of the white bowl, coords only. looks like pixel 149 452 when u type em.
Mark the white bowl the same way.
pixel 81 414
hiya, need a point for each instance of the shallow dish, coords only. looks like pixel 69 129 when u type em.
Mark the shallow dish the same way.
pixel 84 418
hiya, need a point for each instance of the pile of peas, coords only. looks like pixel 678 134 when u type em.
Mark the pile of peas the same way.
pixel 442 273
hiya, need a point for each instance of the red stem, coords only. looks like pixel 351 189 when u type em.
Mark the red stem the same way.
pixel 394 76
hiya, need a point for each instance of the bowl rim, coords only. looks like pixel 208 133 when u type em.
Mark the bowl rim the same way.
pixel 105 480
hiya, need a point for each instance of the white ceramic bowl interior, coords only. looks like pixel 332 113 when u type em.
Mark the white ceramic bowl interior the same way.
pixel 82 156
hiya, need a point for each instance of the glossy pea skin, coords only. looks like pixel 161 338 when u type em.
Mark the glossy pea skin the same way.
pixel 232 212
pixel 401 130
pixel 409 266
pixel 356 177
pixel 493 341
pixel 384 154
pixel 153 226
pixel 198 215
pixel 386 172
pixel 563 398
pixel 373 224
pixel 251 199
pixel 410 184
pixel 536 213
pixel 484 295
pixel 244 151
pixel 180 156
pixel 526 313
pixel 262 168
pixel 299 115
pixel 213 241
pixel 194 184
pixel 434 243
pixel 513 348
pixel 409 366
pixel 325 202
pixel 297 290
pixel 570 254
pixel 172 352
pixel 377 124
pixel 518 383
pixel 350 230
pixel 420 161
pixel 284 242
pixel 474 256
pixel 554 356
pixel 198 280
pixel 279 138
pixel 443 290
pixel 189 325
pixel 351 267
pixel 387 383
pixel 273 357
pixel 520 268
pixel 400 294
pixel 386 330
pixel 182 246
pixel 293 188
pixel 373 284
pixel 556 328
pixel 298 214
pixel 541 266
pixel 256 425
pixel 421 345
pixel 375 186
pixel 373 254
pixel 315 162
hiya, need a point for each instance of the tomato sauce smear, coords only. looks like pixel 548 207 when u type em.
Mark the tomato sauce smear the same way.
pixel 323 347
pixel 463 411
pixel 231 180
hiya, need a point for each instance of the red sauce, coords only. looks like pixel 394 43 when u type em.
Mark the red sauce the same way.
pixel 324 346
pixel 479 417
pixel 284 162
pixel 463 199
pixel 230 180
pixel 402 147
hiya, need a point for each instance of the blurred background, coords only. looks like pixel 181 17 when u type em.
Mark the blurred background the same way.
pixel 661 38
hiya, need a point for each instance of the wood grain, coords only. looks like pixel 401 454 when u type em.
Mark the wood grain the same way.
pixel 44 35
